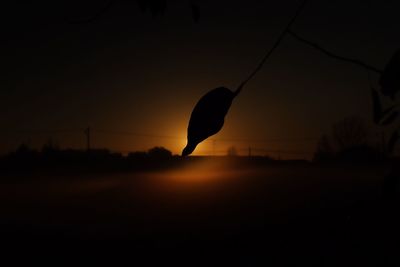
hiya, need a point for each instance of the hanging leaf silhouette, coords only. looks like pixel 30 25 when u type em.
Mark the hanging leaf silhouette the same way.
pixel 390 79
pixel 208 116
pixel 390 118
pixel 195 13
pixel 392 141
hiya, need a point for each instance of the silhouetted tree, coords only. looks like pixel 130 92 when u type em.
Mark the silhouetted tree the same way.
pixel 23 149
pixel 324 149
pixel 50 147
pixel 350 132
pixel 347 142
pixel 137 155
pixel 159 152
pixel 23 156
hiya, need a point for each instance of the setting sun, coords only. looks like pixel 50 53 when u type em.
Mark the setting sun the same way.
pixel 200 133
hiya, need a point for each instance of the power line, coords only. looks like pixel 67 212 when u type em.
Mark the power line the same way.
pixel 136 134
pixel 266 140
pixel 306 139
pixel 149 135
pixel 280 151
pixel 41 131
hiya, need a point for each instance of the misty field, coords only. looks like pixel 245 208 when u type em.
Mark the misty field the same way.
pixel 205 212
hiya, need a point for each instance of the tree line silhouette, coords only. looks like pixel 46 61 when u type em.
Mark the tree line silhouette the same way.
pixel 348 142
pixel 51 157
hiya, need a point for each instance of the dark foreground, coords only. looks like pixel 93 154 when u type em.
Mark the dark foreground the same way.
pixel 208 213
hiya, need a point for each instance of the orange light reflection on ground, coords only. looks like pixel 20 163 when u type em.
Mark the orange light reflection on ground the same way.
pixel 201 171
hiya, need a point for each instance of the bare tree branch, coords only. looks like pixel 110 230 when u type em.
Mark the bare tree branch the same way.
pixel 329 53
pixel 269 53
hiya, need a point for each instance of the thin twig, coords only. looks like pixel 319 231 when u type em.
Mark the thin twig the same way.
pixel 329 53
pixel 278 41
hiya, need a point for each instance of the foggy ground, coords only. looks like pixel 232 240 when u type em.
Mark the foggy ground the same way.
pixel 203 213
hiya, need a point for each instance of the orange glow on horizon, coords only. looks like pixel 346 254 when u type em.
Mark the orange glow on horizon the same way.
pixel 202 171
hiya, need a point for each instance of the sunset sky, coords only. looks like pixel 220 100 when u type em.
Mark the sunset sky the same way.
pixel 135 79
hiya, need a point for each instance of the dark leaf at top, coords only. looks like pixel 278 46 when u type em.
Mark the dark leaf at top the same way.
pixel 390 79
pixel 377 107
pixel 195 13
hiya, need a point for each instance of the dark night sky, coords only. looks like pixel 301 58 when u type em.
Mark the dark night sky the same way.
pixel 126 71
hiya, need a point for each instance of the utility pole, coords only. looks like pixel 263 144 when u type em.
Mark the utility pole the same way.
pixel 87 133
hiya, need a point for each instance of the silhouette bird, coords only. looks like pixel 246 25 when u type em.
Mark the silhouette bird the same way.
pixel 208 116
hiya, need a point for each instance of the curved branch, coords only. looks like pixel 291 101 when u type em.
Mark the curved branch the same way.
pixel 330 54
pixel 278 41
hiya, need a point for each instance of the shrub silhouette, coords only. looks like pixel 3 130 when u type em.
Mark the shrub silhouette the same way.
pixel 324 151
pixel 348 142
pixel 350 132
pixel 159 152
